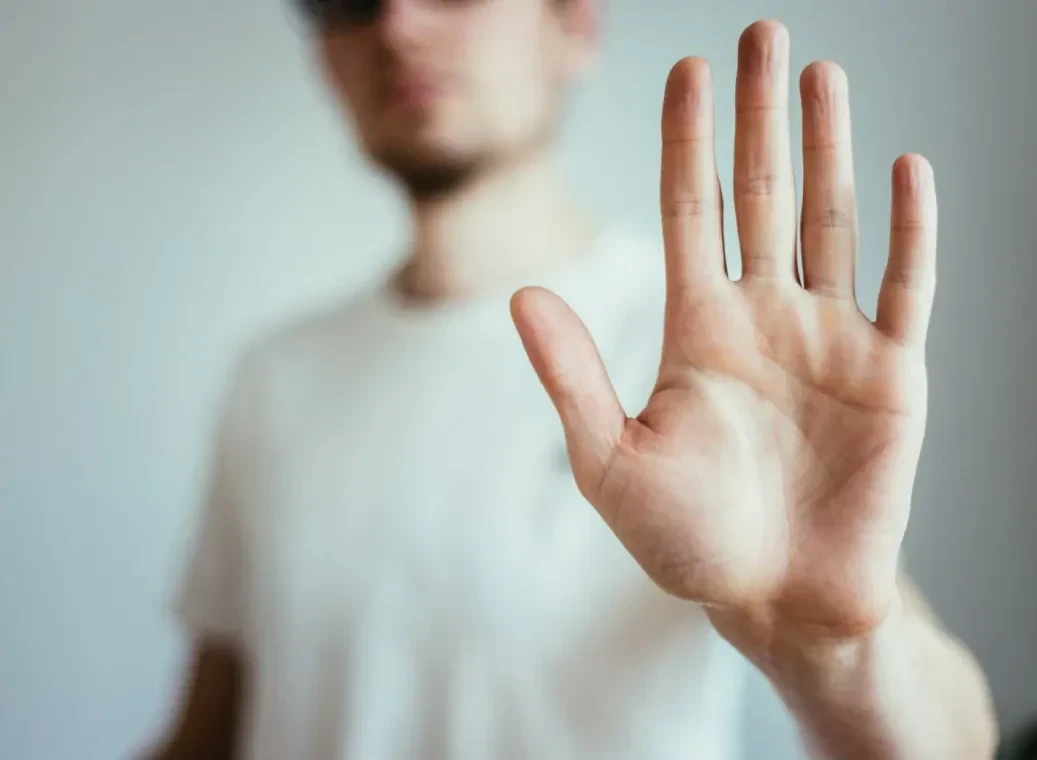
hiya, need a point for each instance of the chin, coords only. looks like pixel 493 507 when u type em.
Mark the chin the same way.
pixel 426 167
pixel 427 180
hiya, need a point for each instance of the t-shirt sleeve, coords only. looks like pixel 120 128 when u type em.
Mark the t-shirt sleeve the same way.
pixel 212 595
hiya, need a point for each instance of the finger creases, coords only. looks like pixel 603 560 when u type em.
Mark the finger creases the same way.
pixel 909 283
pixel 690 196
pixel 829 221
pixel 764 185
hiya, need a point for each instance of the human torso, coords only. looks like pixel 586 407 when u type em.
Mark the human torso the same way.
pixel 425 580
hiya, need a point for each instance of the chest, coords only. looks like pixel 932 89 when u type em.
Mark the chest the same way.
pixel 425 580
pixel 461 504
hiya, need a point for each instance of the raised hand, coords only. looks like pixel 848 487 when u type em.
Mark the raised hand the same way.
pixel 770 475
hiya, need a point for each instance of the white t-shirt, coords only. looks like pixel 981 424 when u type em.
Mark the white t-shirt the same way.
pixel 394 539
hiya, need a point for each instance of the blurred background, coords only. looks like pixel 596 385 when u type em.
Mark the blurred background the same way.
pixel 174 180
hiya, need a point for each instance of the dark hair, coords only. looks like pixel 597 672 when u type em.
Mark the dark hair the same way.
pixel 324 13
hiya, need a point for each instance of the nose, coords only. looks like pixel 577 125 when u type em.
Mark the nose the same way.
pixel 405 23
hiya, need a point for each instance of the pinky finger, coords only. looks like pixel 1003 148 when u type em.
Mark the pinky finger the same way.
pixel 909 284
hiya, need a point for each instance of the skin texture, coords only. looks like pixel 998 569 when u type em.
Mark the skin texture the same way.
pixel 769 477
pixel 771 471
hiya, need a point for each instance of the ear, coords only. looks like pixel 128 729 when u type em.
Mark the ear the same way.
pixel 581 22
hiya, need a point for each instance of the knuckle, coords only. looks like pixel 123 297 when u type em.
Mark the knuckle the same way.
pixel 829 217
pixel 910 226
pixel 689 206
pixel 760 184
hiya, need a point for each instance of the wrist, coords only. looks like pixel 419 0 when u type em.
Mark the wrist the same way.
pixel 864 696
pixel 790 653
pixel 852 696
pixel 834 669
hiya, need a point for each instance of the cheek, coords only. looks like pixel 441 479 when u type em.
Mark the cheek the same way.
pixel 514 91
pixel 341 71
pixel 506 45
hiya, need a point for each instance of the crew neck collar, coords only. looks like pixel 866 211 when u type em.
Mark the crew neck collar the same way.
pixel 572 278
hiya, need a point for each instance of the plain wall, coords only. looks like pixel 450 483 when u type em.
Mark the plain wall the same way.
pixel 173 180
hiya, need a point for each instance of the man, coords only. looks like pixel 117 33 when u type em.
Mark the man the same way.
pixel 396 562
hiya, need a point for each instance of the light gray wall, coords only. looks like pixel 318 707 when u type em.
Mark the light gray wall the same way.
pixel 172 180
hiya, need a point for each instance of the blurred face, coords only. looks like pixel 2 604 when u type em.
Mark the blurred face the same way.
pixel 438 90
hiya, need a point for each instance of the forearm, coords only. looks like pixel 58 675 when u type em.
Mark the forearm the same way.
pixel 908 691
pixel 207 721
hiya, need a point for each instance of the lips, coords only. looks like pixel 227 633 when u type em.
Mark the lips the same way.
pixel 412 90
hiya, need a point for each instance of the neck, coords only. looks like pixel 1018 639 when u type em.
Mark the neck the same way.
pixel 503 227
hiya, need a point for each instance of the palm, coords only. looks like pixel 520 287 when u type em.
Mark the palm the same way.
pixel 768 430
pixel 770 474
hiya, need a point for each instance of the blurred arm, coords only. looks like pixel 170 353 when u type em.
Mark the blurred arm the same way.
pixel 206 727
pixel 908 691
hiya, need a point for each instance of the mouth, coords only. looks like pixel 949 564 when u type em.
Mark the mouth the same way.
pixel 410 91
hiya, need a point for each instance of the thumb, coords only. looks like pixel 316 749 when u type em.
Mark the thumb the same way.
pixel 570 368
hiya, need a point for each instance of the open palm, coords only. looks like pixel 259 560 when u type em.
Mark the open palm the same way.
pixel 770 475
